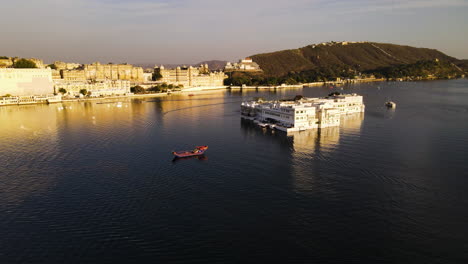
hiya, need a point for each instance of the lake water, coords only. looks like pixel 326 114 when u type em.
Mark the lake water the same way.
pixel 89 182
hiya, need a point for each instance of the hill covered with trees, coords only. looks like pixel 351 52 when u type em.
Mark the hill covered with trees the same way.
pixel 348 60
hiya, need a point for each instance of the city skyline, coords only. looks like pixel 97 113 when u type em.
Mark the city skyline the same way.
pixel 186 31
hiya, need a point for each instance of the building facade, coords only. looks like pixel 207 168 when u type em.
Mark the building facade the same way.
pixel 73 75
pixel 26 82
pixel 95 89
pixel 100 72
pixel 303 114
pixel 191 76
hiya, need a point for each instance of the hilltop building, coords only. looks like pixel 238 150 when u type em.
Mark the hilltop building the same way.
pixel 191 76
pixel 303 114
pixel 26 82
pixel 66 66
pixel 246 64
pixel 39 63
pixel 6 62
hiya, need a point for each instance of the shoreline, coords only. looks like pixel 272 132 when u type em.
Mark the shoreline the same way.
pixel 194 90
pixel 197 90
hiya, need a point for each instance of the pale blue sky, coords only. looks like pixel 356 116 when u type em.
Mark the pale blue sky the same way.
pixel 190 31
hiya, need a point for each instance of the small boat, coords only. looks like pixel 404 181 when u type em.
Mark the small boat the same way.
pixel 390 104
pixel 191 95
pixel 262 125
pixel 199 150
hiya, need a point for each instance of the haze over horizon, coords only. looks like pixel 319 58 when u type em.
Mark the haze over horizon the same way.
pixel 188 31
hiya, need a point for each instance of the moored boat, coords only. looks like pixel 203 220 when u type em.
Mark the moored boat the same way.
pixel 199 150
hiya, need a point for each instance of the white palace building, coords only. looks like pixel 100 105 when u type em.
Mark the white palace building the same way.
pixel 302 114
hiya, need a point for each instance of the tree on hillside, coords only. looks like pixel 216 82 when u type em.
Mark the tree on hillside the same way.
pixel 62 91
pixel 24 63
pixel 52 66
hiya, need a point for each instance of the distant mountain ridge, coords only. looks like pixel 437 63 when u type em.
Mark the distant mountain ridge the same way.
pixel 358 56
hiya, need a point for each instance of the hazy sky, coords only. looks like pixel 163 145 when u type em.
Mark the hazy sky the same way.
pixel 190 31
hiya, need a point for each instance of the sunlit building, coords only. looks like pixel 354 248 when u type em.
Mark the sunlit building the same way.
pixel 246 64
pixel 95 89
pixel 26 82
pixel 302 114
pixel 191 76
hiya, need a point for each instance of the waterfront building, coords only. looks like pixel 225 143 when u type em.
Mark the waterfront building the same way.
pixel 95 89
pixel 26 82
pixel 246 64
pixel 191 76
pixel 306 113
pixel 30 99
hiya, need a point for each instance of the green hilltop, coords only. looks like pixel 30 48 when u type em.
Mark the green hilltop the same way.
pixel 348 60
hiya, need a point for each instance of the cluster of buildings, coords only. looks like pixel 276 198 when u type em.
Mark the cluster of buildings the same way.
pixel 337 43
pixel 71 79
pixel 190 76
pixel 246 65
pixel 102 72
pixel 302 114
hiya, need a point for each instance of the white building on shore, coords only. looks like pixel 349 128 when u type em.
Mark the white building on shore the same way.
pixel 26 82
pixel 95 89
pixel 303 114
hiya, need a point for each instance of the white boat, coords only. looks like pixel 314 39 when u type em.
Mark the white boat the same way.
pixel 262 125
pixel 390 104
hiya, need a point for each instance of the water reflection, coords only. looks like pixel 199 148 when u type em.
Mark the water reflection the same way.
pixel 200 158
pixel 40 143
pixel 309 141
pixel 311 146
pixel 28 140
pixel 316 147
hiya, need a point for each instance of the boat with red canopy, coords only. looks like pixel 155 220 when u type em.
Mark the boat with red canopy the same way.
pixel 199 150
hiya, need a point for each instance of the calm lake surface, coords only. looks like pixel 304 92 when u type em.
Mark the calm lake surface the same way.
pixel 89 182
